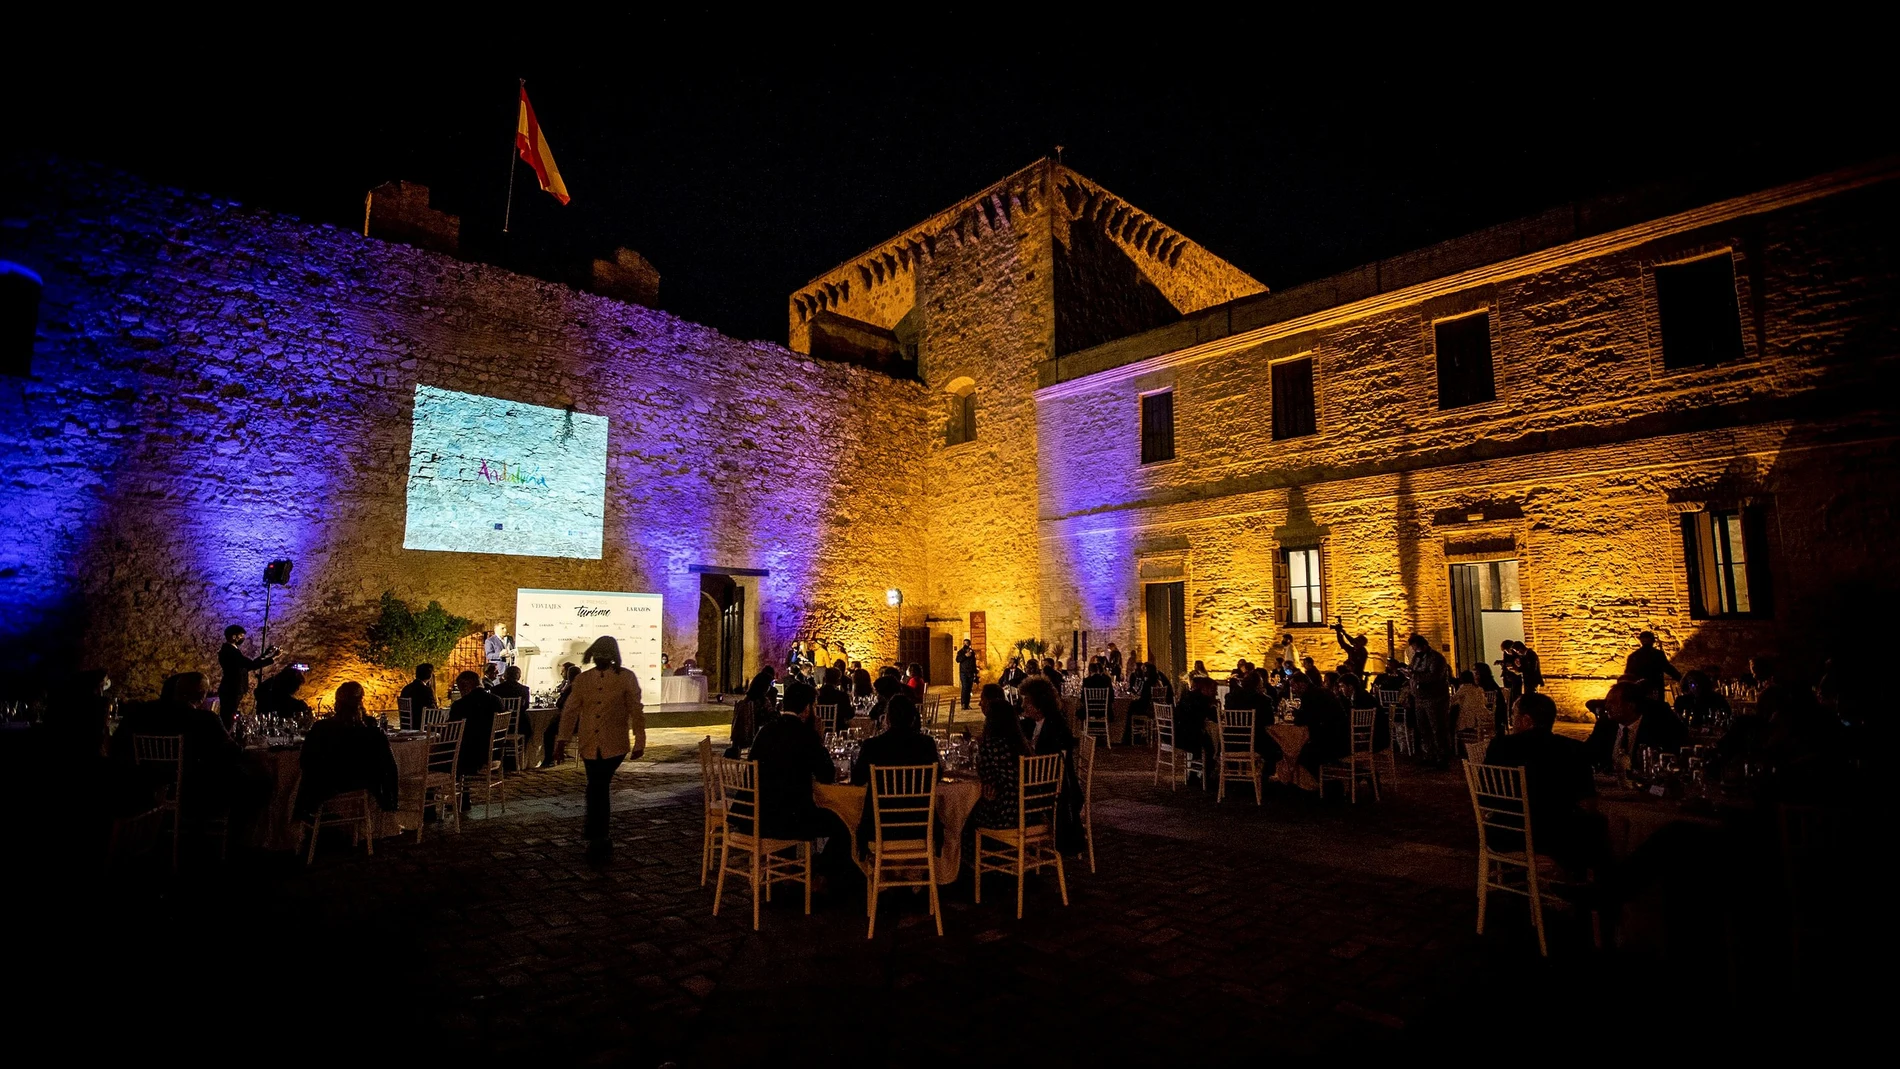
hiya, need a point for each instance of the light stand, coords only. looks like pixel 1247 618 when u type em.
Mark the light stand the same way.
pixel 276 573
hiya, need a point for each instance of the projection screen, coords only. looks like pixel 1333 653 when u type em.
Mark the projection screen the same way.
pixel 487 475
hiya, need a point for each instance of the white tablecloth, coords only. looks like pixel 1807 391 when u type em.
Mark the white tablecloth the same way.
pixel 277 828
pixel 676 690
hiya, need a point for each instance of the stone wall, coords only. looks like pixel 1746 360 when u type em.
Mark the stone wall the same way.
pixel 987 290
pixel 1578 470
pixel 217 386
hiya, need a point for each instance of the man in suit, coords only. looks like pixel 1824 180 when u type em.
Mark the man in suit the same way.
pixel 901 743
pixel 421 694
pixel 791 758
pixel 1557 786
pixel 512 687
pixel 476 708
pixel 235 669
pixel 966 670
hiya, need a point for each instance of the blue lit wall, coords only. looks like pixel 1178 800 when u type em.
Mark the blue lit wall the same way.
pixel 215 387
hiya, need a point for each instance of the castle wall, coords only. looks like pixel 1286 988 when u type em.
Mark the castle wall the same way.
pixel 216 386
pixel 1578 470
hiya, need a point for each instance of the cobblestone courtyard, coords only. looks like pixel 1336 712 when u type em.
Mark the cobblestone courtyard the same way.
pixel 1212 933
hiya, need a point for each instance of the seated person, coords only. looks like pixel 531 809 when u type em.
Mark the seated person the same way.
pixel 512 687
pixel 1329 728
pixel 476 708
pixel 791 757
pixel 1557 785
pixel 1642 721
pixel 861 681
pixel 1356 698
pixel 832 693
pixel 1192 715
pixel 1013 675
pixel 421 694
pixel 887 686
pixel 491 675
pixel 997 757
pixel 1700 705
pixel 277 696
pixel 1468 705
pixel 214 778
pixel 900 743
pixel 345 752
pixel 1098 676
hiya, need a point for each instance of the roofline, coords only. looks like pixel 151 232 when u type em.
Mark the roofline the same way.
pixel 934 222
pixel 1057 383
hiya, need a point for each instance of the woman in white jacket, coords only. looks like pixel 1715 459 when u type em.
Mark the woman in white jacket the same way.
pixel 603 709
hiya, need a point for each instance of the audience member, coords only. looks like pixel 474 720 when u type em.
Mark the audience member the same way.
pixel 1557 786
pixel 511 688
pixel 421 694
pixel 996 759
pixel 476 708
pixel 901 742
pixel 345 752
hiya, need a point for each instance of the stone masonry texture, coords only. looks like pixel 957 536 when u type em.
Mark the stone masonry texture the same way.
pixel 216 387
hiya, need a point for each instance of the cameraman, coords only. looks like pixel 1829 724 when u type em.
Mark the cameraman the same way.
pixel 236 669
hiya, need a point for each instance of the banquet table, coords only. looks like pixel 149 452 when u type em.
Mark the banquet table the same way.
pixel 1292 738
pixel 276 828
pixel 956 799
pixel 676 690
pixel 537 728
pixel 1633 816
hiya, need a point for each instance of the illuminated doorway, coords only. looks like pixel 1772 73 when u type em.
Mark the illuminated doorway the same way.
pixel 1486 609
pixel 1167 627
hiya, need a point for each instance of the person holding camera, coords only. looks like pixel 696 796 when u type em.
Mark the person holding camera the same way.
pixel 236 669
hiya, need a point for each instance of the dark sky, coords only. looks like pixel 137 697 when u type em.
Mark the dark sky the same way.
pixel 741 174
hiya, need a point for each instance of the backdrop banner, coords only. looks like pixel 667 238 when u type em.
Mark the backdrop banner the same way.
pixel 552 626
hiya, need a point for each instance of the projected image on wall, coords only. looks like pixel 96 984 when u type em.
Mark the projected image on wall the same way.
pixel 488 475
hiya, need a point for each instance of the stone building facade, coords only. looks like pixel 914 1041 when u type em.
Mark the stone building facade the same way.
pixel 214 387
pixel 1612 417
pixel 1572 490
pixel 982 295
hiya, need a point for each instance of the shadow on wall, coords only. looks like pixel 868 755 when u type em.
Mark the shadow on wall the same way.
pixel 1100 295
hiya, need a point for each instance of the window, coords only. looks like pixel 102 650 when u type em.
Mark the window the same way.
pixel 19 318
pixel 1293 413
pixel 1727 563
pixel 1157 427
pixel 1304 602
pixel 1464 360
pixel 1695 302
pixel 962 426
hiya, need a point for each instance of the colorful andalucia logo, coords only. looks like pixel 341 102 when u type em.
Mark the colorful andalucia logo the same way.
pixel 502 473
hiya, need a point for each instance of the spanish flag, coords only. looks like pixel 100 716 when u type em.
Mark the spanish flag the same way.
pixel 533 146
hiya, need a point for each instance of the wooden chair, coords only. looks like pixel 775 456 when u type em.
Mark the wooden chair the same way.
pixel 1085 778
pixel 904 838
pixel 516 743
pixel 714 834
pixel 1816 844
pixel 1357 764
pixel 940 732
pixel 1498 799
pixel 1096 703
pixel 434 718
pixel 164 757
pixel 766 862
pixel 492 773
pixel 1166 755
pixel 441 783
pixel 350 809
pixel 1031 845
pixel 406 714
pixel 1238 759
pixel 1391 701
pixel 137 836
pixel 827 716
pixel 1141 725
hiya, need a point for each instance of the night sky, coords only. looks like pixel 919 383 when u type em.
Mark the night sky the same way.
pixel 741 175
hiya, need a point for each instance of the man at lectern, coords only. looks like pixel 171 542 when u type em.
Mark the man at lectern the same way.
pixel 498 649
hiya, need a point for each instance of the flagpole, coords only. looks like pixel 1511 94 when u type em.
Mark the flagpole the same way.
pixel 508 212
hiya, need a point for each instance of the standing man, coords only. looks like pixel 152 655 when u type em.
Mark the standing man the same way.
pixel 498 649
pixel 1431 698
pixel 1355 649
pixel 236 668
pixel 966 671
pixel 1530 667
pixel 1648 664
pixel 1114 662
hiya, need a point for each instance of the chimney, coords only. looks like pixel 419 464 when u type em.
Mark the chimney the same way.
pixel 399 211
pixel 627 277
